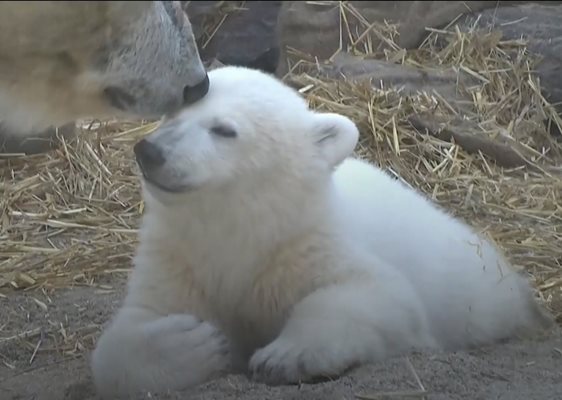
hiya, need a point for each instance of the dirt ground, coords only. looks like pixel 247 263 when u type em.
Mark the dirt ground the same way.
pixel 45 340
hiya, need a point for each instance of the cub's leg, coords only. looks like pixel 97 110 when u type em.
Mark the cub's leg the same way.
pixel 142 351
pixel 342 326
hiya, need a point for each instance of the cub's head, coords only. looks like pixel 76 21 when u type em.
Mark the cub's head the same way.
pixel 250 131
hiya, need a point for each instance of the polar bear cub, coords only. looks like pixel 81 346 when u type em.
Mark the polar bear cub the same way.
pixel 266 248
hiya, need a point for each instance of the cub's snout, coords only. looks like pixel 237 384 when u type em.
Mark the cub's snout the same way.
pixel 149 156
pixel 152 161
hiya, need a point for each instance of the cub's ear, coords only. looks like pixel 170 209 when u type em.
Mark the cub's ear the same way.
pixel 335 135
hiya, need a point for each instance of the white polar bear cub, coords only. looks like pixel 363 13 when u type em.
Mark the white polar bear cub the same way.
pixel 265 246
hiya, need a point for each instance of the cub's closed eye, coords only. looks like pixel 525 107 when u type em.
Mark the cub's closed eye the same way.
pixel 224 131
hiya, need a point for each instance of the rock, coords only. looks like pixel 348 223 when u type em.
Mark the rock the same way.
pixel 505 152
pixel 246 37
pixel 314 28
pixel 385 74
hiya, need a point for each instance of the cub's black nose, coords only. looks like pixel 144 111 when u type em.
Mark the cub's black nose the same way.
pixel 192 94
pixel 148 155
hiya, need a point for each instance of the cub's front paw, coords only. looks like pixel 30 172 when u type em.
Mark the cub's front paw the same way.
pixel 168 353
pixel 194 348
pixel 283 362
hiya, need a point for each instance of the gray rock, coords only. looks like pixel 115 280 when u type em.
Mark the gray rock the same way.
pixel 247 37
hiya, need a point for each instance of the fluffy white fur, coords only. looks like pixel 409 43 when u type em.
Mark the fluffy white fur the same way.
pixel 277 252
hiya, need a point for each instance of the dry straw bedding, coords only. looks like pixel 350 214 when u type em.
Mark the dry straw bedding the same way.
pixel 69 217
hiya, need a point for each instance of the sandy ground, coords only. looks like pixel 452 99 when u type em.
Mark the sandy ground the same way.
pixel 51 361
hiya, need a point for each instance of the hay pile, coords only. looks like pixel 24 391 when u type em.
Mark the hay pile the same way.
pixel 70 217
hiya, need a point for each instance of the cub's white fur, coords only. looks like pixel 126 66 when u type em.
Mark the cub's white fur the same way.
pixel 273 250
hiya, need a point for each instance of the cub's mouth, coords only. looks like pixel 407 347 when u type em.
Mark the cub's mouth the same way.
pixel 155 183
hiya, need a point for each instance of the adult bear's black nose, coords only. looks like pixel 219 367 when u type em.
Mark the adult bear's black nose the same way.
pixel 192 94
pixel 148 155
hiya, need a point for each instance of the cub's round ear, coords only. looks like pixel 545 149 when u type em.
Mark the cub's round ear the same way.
pixel 335 135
